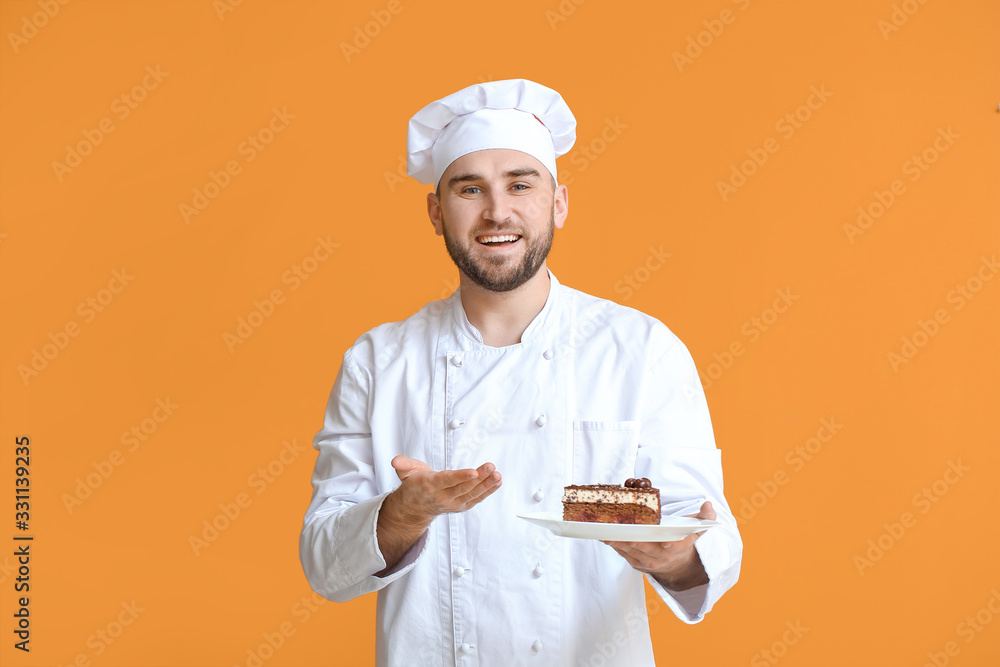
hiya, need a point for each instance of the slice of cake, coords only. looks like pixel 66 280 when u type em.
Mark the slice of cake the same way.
pixel 634 502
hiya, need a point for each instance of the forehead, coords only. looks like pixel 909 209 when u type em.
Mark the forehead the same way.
pixel 492 163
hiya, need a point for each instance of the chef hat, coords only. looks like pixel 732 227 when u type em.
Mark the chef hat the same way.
pixel 517 114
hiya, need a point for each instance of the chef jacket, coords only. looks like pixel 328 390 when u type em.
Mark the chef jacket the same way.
pixel 594 393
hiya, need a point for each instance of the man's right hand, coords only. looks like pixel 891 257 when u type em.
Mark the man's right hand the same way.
pixel 423 494
pixel 426 493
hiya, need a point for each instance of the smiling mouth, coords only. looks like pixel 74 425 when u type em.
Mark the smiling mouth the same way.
pixel 498 239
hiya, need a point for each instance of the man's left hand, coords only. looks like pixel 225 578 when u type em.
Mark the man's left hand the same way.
pixel 676 565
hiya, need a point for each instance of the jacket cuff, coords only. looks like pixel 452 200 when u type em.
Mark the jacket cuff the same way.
pixel 722 567
pixel 408 559
pixel 360 528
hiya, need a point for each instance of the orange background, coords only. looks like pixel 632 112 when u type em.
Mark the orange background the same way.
pixel 332 172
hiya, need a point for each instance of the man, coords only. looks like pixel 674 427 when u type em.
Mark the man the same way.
pixel 442 428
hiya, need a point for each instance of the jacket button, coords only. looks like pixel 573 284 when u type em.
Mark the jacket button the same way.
pixel 538 571
pixel 456 360
pixel 536 646
pixel 456 423
pixel 541 421
pixel 539 494
pixel 459 571
pixel 548 354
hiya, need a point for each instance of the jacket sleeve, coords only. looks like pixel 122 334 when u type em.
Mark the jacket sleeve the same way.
pixel 338 545
pixel 677 451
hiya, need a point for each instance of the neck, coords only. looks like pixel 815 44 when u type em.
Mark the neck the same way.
pixel 501 317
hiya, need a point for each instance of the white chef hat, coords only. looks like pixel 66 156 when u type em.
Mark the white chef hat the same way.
pixel 517 114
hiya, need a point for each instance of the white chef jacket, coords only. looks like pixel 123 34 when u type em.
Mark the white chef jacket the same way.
pixel 595 392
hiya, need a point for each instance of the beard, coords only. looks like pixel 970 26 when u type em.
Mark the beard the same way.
pixel 500 273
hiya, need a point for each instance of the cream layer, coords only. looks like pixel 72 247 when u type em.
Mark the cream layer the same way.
pixel 617 496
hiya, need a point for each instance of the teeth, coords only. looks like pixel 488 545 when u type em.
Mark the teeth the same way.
pixel 499 239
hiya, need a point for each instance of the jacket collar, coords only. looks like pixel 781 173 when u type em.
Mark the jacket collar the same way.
pixel 541 321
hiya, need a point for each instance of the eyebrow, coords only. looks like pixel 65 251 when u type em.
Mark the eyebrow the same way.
pixel 513 173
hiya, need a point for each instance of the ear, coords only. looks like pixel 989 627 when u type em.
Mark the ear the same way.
pixel 560 205
pixel 434 213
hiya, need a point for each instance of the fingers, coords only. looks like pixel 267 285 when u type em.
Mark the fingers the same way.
pixel 629 558
pixel 481 488
pixel 705 512
pixel 489 481
pixel 446 490
pixel 456 481
pixel 641 549
pixel 650 556
pixel 400 463
pixel 405 466
pixel 643 556
pixel 461 482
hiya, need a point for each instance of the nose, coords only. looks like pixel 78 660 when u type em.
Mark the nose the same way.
pixel 498 208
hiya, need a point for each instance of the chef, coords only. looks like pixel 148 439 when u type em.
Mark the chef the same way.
pixel 441 429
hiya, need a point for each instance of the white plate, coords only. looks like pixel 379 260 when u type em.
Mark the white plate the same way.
pixel 670 528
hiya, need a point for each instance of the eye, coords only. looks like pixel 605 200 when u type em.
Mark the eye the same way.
pixel 466 191
pixel 522 186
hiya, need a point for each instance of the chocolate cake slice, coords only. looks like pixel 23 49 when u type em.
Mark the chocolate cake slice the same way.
pixel 634 502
